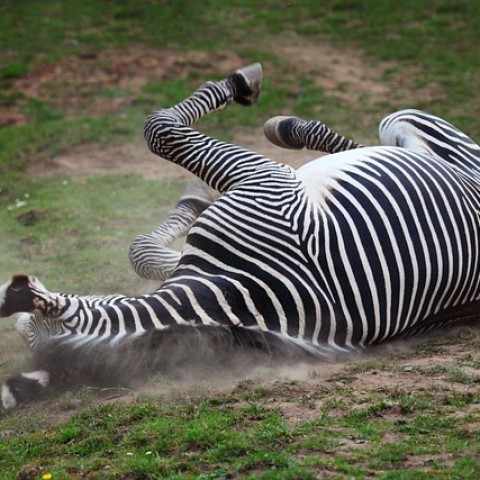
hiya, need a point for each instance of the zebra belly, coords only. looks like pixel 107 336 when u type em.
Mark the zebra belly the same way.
pixel 386 238
pixel 397 239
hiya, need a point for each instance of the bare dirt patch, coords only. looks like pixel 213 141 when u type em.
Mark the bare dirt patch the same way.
pixel 89 160
pixel 348 75
pixel 73 84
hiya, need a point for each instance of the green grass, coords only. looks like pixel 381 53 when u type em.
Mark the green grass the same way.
pixel 74 235
pixel 228 437
pixel 85 225
pixel 434 36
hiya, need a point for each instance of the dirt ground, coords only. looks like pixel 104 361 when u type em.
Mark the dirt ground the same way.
pixel 66 85
pixel 440 367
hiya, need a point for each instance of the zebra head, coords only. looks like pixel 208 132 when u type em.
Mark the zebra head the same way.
pixel 24 293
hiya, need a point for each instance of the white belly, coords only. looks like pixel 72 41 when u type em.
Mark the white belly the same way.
pixel 322 174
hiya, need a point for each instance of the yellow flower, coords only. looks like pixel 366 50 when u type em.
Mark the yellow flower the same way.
pixel 47 476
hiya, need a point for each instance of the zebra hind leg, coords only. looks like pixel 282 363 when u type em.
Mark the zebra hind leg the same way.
pixel 294 133
pixel 150 255
pixel 243 87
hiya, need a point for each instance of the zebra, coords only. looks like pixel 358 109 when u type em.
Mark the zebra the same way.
pixel 351 250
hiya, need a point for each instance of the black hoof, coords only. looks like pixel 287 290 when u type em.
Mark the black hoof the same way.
pixel 279 131
pixel 248 82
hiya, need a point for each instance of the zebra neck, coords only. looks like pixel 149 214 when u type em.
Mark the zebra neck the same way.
pixel 120 315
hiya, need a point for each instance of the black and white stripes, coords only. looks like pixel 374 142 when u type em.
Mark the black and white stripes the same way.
pixel 350 250
pixel 151 255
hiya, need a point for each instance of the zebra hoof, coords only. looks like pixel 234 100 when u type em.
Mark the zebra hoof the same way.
pixel 23 387
pixel 248 82
pixel 279 131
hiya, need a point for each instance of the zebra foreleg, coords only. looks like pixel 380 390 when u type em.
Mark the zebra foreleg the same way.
pixel 295 133
pixel 150 255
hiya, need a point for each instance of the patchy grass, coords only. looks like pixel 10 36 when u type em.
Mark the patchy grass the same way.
pixel 87 225
pixel 75 73
pixel 255 434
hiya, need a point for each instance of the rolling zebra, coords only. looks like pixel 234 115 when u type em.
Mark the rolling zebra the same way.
pixel 352 249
